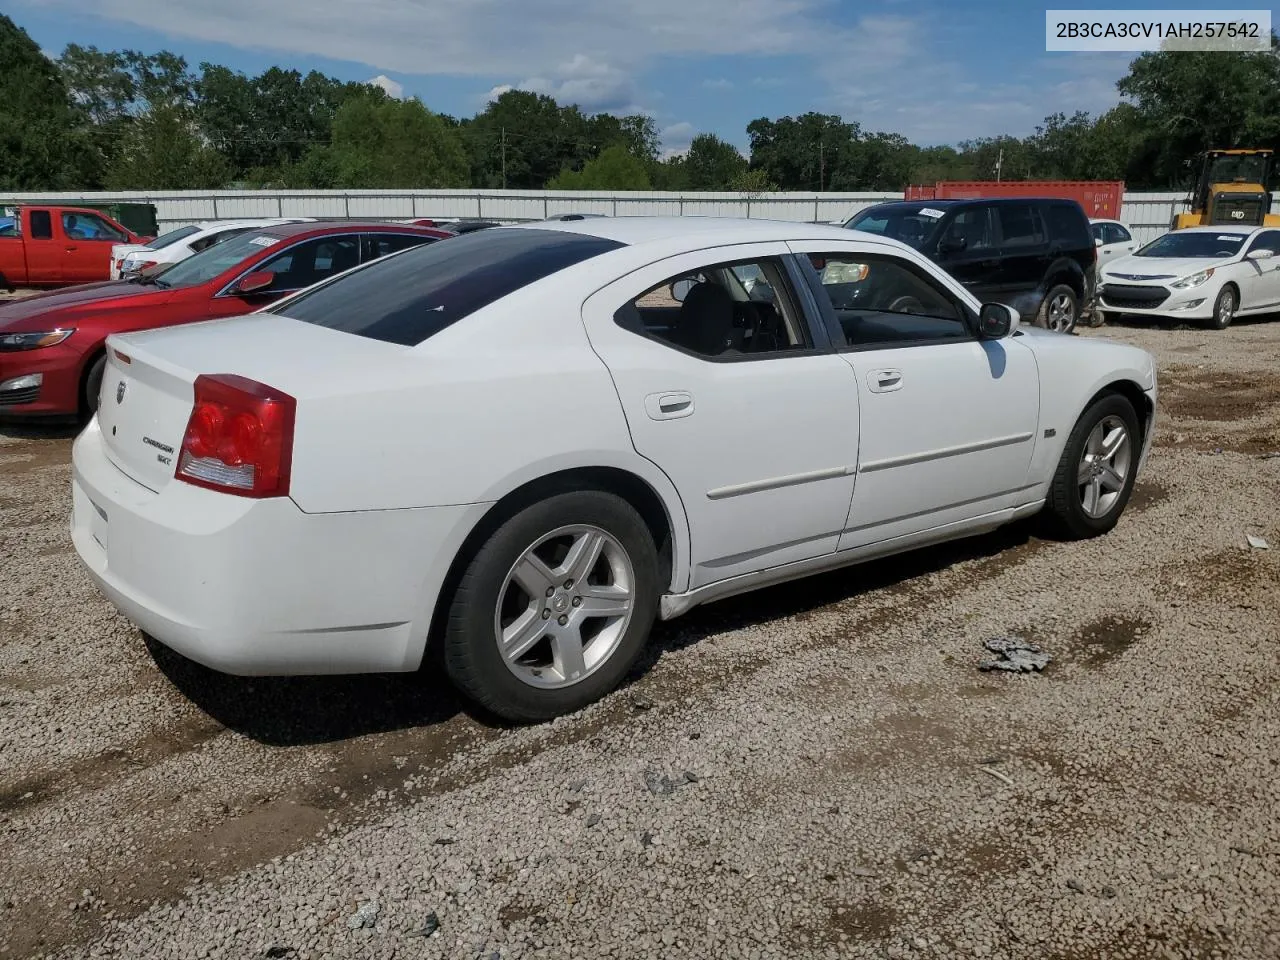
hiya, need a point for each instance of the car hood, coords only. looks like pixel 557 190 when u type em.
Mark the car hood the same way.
pixel 22 313
pixel 1159 268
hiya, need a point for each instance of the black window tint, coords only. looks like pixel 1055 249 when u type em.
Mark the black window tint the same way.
pixel 1020 225
pixel 173 236
pixel 969 230
pixel 375 245
pixel 1120 233
pixel 880 301
pixel 311 262
pixel 215 238
pixel 1068 226
pixel 1267 240
pixel 407 298
pixel 41 225
pixel 1099 231
pixel 727 311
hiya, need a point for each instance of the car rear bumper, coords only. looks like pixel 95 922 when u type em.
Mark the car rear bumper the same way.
pixel 257 587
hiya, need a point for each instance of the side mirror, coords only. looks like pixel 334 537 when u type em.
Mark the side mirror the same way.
pixel 1097 241
pixel 1260 254
pixel 995 321
pixel 254 282
pixel 952 244
pixel 679 289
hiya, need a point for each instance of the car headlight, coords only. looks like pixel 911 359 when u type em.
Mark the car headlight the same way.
pixel 1186 283
pixel 33 340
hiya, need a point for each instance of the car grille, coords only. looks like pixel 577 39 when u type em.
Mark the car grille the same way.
pixel 1228 211
pixel 11 398
pixel 1134 298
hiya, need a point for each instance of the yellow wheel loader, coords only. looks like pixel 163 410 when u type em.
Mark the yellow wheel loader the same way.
pixel 1232 190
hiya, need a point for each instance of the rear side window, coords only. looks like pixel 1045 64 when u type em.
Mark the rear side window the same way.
pixel 1020 225
pixel 414 295
pixel 173 236
pixel 1067 225
pixel 41 225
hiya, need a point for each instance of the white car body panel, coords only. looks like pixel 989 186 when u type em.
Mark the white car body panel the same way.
pixel 1108 252
pixel 1256 281
pixel 785 465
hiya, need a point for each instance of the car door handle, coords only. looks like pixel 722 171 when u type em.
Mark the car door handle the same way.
pixel 668 406
pixel 885 381
pixel 72 249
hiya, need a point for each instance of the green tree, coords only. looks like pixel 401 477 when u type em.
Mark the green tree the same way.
pixel 811 152
pixel 39 146
pixel 523 139
pixel 163 150
pixel 390 143
pixel 615 169
pixel 712 164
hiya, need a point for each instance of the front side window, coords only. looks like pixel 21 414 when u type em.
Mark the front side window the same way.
pixel 738 310
pixel 969 232
pixel 1118 234
pixel 41 225
pixel 410 297
pixel 310 262
pixel 216 260
pixel 89 226
pixel 1267 240
pixel 881 301
pixel 913 224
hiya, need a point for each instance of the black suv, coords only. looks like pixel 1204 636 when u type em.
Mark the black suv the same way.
pixel 1036 255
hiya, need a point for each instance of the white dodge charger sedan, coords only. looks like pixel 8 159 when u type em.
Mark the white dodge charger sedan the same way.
pixel 519 446
pixel 1206 274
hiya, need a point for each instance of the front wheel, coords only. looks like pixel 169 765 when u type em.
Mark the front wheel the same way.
pixel 1224 309
pixel 554 608
pixel 1095 475
pixel 1059 310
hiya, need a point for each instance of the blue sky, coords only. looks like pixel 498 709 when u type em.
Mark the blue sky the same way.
pixel 933 70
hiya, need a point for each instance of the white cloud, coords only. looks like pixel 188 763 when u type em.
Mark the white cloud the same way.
pixel 387 86
pixel 676 138
pixel 595 86
pixel 720 83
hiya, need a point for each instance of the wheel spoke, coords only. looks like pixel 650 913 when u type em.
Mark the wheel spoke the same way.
pixel 1110 479
pixel 1093 493
pixel 1113 441
pixel 581 558
pixel 610 601
pixel 533 575
pixel 566 645
pixel 523 632
pixel 1085 472
pixel 1093 445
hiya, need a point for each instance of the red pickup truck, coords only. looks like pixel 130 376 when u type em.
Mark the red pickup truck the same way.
pixel 52 246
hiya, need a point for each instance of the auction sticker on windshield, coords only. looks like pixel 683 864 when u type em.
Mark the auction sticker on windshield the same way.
pixel 929 212
pixel 265 241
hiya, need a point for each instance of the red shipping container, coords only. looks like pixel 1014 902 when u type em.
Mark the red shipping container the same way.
pixel 1101 199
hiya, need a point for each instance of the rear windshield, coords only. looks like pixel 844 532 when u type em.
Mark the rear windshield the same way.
pixel 913 224
pixel 173 236
pixel 1211 246
pixel 410 296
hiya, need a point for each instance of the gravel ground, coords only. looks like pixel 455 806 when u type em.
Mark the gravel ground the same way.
pixel 818 770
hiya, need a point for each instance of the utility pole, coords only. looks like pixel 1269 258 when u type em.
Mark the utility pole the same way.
pixel 504 158
pixel 822 167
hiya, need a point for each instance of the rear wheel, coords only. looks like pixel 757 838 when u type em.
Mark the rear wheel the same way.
pixel 93 386
pixel 554 608
pixel 1224 308
pixel 1095 475
pixel 1059 310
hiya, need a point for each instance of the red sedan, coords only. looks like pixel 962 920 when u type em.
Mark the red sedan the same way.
pixel 51 344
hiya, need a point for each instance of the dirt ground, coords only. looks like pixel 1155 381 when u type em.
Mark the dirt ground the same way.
pixel 815 770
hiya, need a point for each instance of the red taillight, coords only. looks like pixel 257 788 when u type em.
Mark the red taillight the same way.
pixel 239 437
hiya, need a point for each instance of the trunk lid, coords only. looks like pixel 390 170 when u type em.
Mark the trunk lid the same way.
pixel 146 402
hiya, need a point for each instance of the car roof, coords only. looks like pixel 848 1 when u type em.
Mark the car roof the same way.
pixel 962 201
pixel 635 231
pixel 1222 228
pixel 320 227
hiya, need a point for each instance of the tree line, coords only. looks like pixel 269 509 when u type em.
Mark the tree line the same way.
pixel 124 120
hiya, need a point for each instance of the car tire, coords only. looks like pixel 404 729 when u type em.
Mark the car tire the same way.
pixel 1060 309
pixel 496 596
pixel 93 386
pixel 1104 318
pixel 1095 477
pixel 1224 308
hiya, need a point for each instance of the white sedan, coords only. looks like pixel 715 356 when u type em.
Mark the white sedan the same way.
pixel 525 443
pixel 134 259
pixel 1207 274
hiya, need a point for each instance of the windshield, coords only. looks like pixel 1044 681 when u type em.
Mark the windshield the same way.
pixel 410 296
pixel 173 236
pixel 1237 170
pixel 212 261
pixel 913 224
pixel 1180 243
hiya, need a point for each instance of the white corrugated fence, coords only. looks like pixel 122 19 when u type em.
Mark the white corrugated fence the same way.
pixel 1148 214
